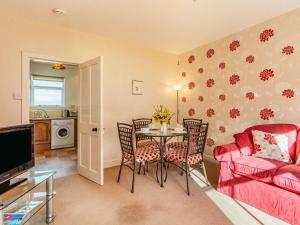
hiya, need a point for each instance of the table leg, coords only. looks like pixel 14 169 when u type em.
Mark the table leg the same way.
pixel 161 149
pixel 49 199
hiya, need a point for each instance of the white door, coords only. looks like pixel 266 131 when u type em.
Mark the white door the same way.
pixel 90 125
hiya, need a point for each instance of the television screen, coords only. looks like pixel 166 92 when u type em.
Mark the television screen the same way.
pixel 16 150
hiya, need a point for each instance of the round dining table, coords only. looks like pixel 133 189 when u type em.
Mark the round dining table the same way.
pixel 164 137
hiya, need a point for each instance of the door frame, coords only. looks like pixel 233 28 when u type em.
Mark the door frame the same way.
pixel 25 92
pixel 25 80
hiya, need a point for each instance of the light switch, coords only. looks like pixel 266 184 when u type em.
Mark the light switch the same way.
pixel 17 96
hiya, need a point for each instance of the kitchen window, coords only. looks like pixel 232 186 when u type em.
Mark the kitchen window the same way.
pixel 47 91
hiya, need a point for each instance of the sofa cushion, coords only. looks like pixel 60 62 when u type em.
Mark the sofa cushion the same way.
pixel 271 146
pixel 289 130
pixel 288 177
pixel 256 168
pixel 244 141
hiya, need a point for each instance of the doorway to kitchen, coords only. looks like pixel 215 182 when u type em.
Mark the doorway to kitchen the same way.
pixel 64 102
pixel 53 111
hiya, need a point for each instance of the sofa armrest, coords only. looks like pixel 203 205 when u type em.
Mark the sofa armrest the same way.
pixel 226 153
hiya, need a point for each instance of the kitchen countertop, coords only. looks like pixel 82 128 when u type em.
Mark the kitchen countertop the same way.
pixel 53 118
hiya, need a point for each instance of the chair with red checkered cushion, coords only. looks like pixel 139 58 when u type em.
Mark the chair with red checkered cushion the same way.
pixel 142 140
pixel 187 158
pixel 132 156
pixel 186 122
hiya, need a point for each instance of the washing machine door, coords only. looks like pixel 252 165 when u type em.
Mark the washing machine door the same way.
pixel 63 132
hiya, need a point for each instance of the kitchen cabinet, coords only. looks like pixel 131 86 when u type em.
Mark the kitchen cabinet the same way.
pixel 42 135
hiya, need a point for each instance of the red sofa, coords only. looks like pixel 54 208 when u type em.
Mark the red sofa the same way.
pixel 269 185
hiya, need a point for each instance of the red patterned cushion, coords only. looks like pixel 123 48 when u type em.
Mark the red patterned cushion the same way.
pixel 127 156
pixel 178 155
pixel 176 145
pixel 149 143
pixel 143 154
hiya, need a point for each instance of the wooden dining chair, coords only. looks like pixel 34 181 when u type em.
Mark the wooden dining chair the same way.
pixel 131 156
pixel 186 122
pixel 190 157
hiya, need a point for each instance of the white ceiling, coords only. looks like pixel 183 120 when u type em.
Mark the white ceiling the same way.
pixel 169 25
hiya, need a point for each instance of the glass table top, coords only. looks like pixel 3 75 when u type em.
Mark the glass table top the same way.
pixel 158 133
pixel 34 178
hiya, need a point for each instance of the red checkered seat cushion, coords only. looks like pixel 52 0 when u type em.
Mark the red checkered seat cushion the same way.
pixel 176 145
pixel 178 155
pixel 149 143
pixel 143 154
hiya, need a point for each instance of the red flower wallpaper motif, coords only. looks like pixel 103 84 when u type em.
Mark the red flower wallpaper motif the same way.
pixel 234 79
pixel 191 85
pixel 183 74
pixel 200 98
pixel 266 35
pixel 271 139
pixel 210 112
pixel 288 93
pixel 288 50
pixel 234 45
pixel 210 83
pixel 234 113
pixel 191 59
pixel 191 112
pixel 200 70
pixel 250 95
pixel 266 113
pixel 222 97
pixel 222 129
pixel 222 65
pixel 183 99
pixel 250 59
pixel 266 74
pixel 210 142
pixel 210 53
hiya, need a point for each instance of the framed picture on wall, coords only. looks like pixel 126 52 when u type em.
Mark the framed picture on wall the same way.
pixel 137 87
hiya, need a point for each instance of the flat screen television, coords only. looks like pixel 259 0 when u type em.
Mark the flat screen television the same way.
pixel 16 151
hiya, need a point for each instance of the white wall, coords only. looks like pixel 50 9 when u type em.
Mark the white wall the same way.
pixel 122 63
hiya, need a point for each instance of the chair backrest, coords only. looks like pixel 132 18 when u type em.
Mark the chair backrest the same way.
pixel 125 136
pixel 138 125
pixel 190 122
pixel 196 138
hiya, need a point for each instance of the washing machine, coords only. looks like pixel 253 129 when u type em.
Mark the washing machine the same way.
pixel 62 133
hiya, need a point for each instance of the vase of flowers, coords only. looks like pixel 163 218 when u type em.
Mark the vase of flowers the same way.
pixel 163 116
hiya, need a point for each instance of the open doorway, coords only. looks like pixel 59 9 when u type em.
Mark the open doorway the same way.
pixel 65 102
pixel 54 99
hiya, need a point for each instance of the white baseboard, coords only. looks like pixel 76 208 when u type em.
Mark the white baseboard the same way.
pixel 112 163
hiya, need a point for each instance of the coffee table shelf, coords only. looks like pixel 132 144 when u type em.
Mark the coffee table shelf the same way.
pixel 27 192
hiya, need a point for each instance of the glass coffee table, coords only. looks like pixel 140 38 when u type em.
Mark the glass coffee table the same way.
pixel 28 194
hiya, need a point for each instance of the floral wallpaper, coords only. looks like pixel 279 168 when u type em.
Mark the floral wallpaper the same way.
pixel 251 77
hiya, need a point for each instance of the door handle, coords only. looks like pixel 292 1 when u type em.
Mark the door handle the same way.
pixel 95 129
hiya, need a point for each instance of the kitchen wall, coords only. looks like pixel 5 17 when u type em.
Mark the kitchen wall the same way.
pixel 71 74
pixel 251 77
pixel 123 62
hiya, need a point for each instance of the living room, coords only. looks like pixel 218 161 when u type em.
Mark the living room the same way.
pixel 228 67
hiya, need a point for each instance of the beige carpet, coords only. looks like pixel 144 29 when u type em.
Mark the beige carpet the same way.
pixel 82 202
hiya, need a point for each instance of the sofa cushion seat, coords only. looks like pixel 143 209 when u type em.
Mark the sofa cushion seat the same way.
pixel 288 178
pixel 259 169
